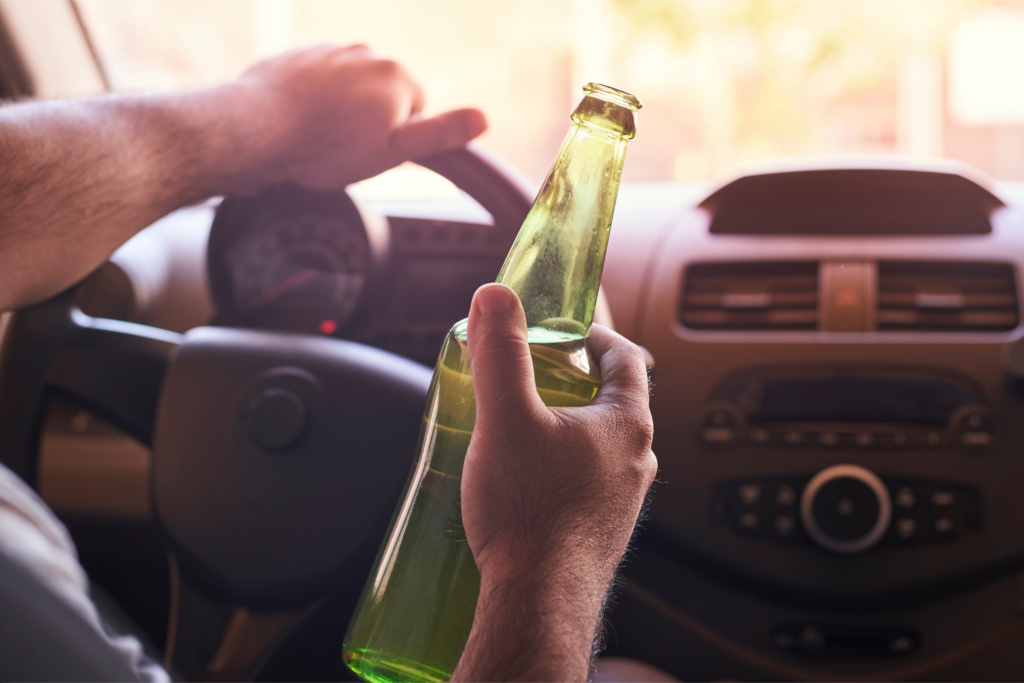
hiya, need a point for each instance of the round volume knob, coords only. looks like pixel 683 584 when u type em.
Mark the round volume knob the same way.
pixel 846 509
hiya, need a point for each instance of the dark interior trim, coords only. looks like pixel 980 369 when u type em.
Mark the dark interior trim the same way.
pixel 852 201
pixel 15 80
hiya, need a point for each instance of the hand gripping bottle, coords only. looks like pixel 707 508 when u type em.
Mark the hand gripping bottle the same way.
pixel 415 613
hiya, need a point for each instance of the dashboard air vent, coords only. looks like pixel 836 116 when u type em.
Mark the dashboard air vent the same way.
pixel 766 295
pixel 946 297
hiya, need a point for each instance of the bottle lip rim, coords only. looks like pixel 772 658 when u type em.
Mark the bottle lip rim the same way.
pixel 613 95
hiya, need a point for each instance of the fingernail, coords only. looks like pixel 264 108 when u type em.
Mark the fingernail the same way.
pixel 490 298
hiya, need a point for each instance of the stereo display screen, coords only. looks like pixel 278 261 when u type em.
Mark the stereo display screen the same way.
pixel 850 398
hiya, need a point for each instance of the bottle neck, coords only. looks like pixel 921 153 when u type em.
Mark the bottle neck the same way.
pixel 556 261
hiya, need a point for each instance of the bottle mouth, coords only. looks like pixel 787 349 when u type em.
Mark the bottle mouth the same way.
pixel 613 95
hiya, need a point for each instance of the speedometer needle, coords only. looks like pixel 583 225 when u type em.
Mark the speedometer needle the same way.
pixel 283 286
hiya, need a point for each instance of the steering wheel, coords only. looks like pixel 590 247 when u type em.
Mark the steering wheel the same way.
pixel 277 458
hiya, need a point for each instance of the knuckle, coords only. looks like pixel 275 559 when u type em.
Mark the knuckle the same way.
pixel 387 67
pixel 652 467
pixel 636 362
pixel 640 472
pixel 644 426
pixel 626 357
pixel 633 428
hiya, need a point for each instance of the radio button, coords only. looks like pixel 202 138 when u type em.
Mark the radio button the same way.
pixel 750 494
pixel 906 528
pixel 785 525
pixel 719 418
pixel 828 438
pixel 720 425
pixel 760 435
pixel 976 439
pixel 793 438
pixel 785 496
pixel 943 529
pixel 943 498
pixel 864 438
pixel 749 523
pixel 974 428
pixel 719 436
pixel 924 439
pixel 905 497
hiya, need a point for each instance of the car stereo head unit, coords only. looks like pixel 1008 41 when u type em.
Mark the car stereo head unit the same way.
pixel 837 409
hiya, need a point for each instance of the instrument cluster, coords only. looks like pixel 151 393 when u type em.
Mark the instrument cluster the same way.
pixel 294 260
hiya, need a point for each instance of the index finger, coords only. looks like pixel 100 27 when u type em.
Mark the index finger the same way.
pixel 623 369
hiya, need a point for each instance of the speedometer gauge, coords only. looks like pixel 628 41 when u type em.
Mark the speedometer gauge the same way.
pixel 302 272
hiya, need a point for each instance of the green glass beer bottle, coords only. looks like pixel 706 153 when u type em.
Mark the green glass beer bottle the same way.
pixel 416 611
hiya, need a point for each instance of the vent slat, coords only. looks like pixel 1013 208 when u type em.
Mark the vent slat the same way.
pixel 761 296
pixel 773 300
pixel 941 284
pixel 750 321
pixel 929 296
pixel 889 299
pixel 737 283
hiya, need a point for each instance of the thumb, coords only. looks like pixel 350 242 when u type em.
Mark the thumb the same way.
pixel 420 137
pixel 503 379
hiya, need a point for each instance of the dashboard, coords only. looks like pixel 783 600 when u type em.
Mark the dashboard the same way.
pixel 836 394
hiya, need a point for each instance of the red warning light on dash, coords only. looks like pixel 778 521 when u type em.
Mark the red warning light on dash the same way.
pixel 328 326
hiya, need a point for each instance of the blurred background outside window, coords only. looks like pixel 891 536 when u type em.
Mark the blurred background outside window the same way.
pixel 723 81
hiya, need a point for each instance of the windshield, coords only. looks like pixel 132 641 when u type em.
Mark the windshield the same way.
pixel 722 81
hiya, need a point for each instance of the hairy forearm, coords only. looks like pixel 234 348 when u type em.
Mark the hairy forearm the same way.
pixel 539 627
pixel 79 177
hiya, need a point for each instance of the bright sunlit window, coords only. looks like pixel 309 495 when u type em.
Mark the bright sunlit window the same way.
pixel 723 81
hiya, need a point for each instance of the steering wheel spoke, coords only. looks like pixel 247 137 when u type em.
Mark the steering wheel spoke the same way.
pixel 115 370
pixel 112 368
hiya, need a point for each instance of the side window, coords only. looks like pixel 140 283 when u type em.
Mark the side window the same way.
pixel 14 79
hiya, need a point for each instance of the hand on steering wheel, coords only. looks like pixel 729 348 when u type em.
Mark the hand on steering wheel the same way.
pixel 336 115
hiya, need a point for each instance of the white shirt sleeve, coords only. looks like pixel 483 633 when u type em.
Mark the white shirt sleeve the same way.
pixel 31 535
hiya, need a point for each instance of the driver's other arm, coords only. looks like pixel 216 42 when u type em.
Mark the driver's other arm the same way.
pixel 80 177
pixel 550 497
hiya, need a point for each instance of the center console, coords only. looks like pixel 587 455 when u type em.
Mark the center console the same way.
pixel 839 440
pixel 846 508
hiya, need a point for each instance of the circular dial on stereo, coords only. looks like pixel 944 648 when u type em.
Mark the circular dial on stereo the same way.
pixel 846 509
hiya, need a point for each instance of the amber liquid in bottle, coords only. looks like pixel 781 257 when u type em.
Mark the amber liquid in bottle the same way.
pixel 416 611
